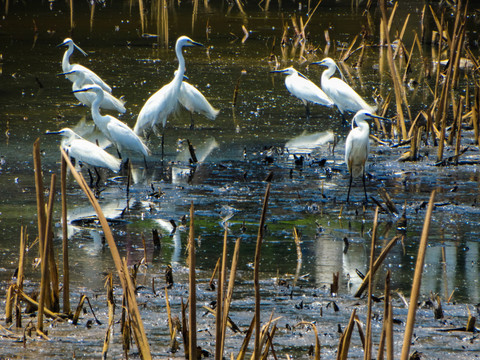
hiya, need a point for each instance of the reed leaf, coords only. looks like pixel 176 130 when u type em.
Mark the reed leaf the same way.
pixel 128 290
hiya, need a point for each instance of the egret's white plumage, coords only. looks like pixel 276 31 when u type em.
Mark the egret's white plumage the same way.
pixel 89 74
pixel 344 97
pixel 164 102
pixel 81 80
pixel 357 148
pixel 87 152
pixel 299 86
pixel 193 100
pixel 116 131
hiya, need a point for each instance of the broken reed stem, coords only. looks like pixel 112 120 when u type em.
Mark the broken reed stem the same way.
pixel 417 279
pixel 393 71
pixel 72 24
pixel 66 268
pixel 142 15
pixel 317 340
pixel 111 314
pixel 45 258
pixel 21 261
pixel 229 294
pixel 296 238
pixel 387 329
pixel 139 331
pixel 220 291
pixel 368 347
pixel 40 196
pixel 376 265
pixel 246 340
pixel 344 343
pixel 256 271
pixel 192 294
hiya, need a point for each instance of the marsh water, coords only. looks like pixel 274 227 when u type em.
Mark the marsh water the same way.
pixel 267 131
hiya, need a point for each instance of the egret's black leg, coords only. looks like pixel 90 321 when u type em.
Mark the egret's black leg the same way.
pixel 192 123
pixel 349 187
pixel 98 177
pixel 91 178
pixel 163 142
pixel 364 187
pixel 307 110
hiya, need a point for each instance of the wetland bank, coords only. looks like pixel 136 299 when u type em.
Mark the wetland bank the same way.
pixel 266 132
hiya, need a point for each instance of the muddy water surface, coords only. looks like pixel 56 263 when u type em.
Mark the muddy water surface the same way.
pixel 237 152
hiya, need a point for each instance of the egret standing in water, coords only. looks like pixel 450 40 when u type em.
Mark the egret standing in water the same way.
pixel 357 147
pixel 299 86
pixel 122 137
pixel 86 152
pixel 81 80
pixel 165 101
pixel 193 100
pixel 89 74
pixel 344 97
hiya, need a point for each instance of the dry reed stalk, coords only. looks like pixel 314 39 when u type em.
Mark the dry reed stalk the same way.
pixel 92 14
pixel 445 273
pixel 317 339
pixel 387 328
pixel 269 343
pixel 398 89
pixel 400 37
pixel 476 114
pixel 417 279
pixel 360 331
pixel 192 294
pixel 459 129
pixel 185 335
pixel 9 305
pixel 78 310
pixel 376 265
pixel 44 282
pixel 246 339
pixel 211 284
pixel 111 314
pixel 142 15
pixel 229 294
pixel 256 272
pixel 169 313
pixel 264 334
pixel 297 239
pixel 368 347
pixel 20 276
pixel 40 196
pixel 72 24
pixel 164 17
pixel 142 342
pixel 66 267
pixel 31 301
pixel 344 343
pixel 219 307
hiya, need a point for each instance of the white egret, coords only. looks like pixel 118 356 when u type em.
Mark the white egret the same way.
pixel 67 67
pixel 165 101
pixel 344 97
pixel 299 86
pixel 116 131
pixel 81 80
pixel 193 100
pixel 86 152
pixel 357 147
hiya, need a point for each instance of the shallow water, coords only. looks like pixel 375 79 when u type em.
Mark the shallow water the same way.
pixel 241 147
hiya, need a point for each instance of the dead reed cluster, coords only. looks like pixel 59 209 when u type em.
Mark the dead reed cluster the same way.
pixel 48 303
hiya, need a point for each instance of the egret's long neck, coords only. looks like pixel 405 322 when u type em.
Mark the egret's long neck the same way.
pixel 181 65
pixel 97 117
pixel 66 67
pixel 362 124
pixel 327 74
